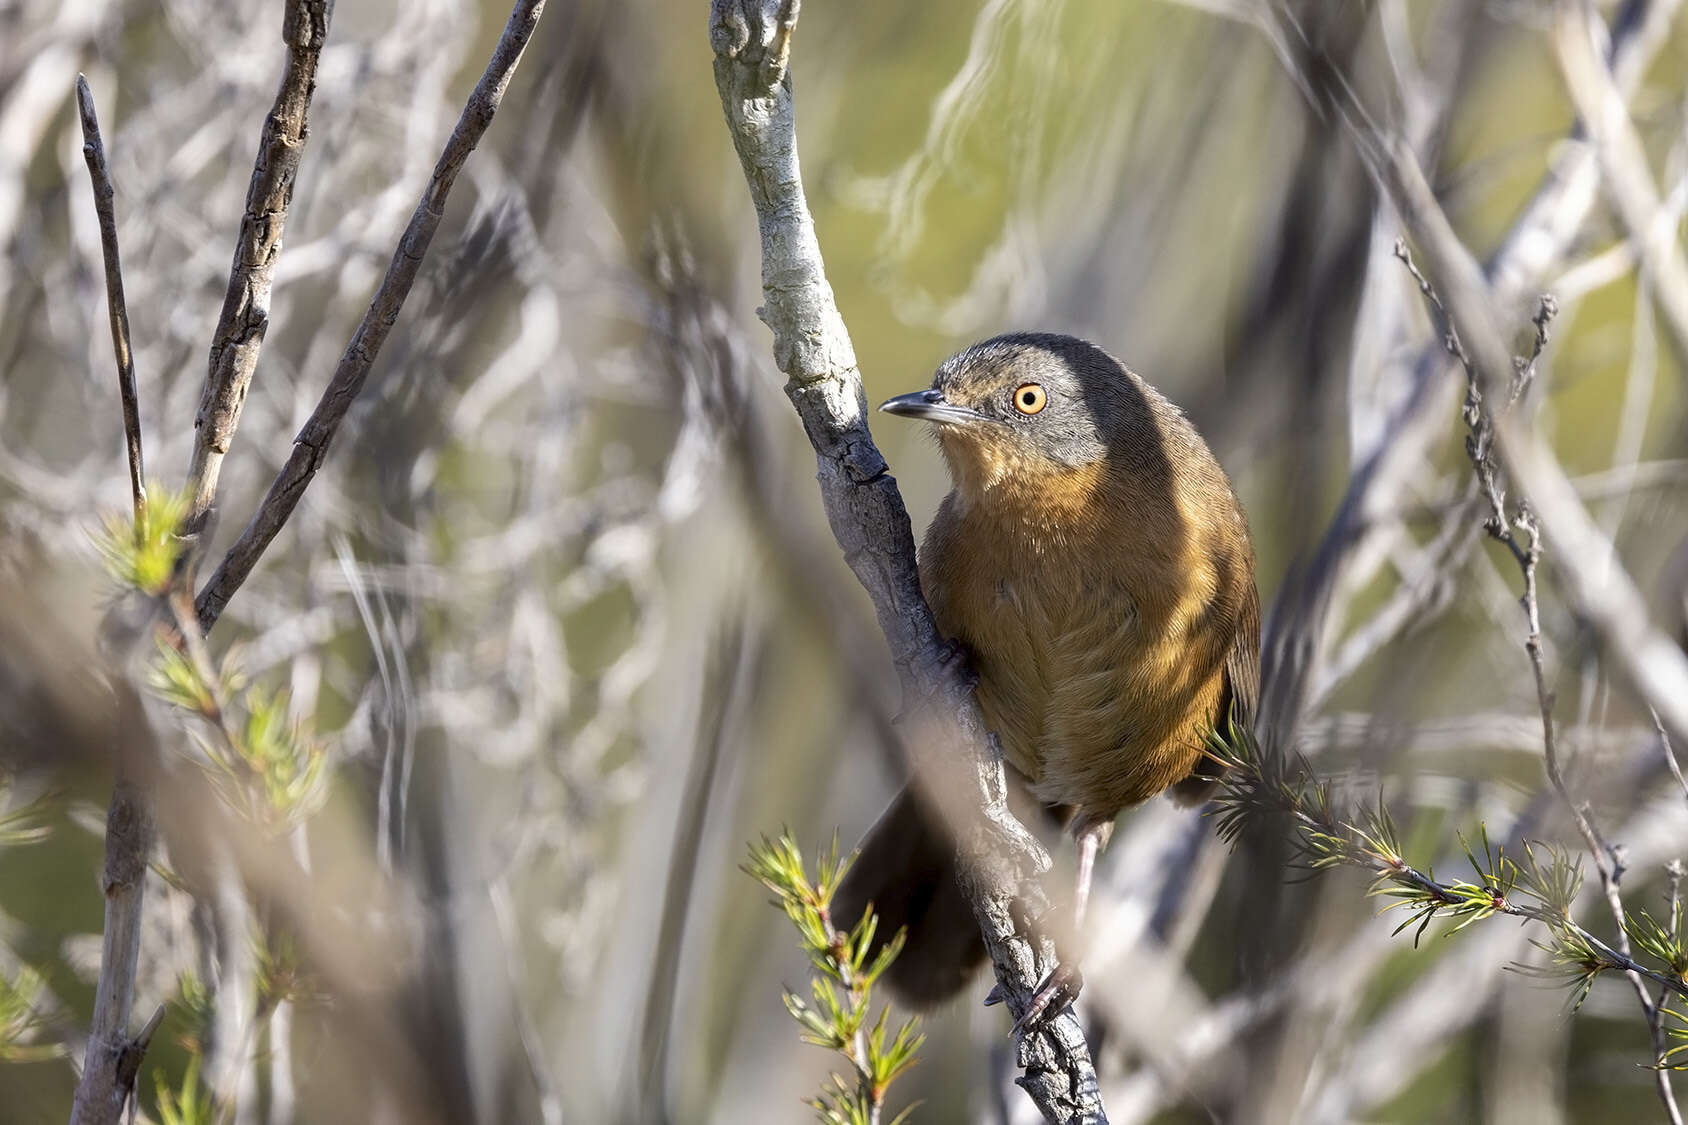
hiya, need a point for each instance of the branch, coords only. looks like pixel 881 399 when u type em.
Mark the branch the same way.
pixel 1626 179
pixel 1601 590
pixel 113 1058
pixel 246 306
pixel 93 150
pixel 751 40
pixel 310 447
pixel 1541 235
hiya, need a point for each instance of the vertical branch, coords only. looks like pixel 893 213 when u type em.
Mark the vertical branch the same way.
pixel 310 447
pixel 93 151
pixel 246 305
pixel 1518 531
pixel 999 860
pixel 113 1058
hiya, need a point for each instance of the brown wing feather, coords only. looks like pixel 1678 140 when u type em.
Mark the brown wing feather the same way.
pixel 1238 699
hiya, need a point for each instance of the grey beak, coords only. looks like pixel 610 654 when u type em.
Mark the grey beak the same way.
pixel 929 406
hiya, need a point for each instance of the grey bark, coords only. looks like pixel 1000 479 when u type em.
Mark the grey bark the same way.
pixel 246 305
pixel 957 757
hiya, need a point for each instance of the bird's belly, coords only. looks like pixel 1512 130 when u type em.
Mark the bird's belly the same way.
pixel 1098 703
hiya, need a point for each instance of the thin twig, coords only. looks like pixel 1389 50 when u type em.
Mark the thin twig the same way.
pixel 1673 893
pixel 246 305
pixel 310 447
pixel 999 859
pixel 117 309
pixel 1669 752
pixel 113 1058
pixel 1509 529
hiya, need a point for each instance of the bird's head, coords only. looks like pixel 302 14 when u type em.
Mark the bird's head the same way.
pixel 1033 412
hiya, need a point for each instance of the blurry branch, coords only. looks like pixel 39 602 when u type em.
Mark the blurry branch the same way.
pixel 22 989
pixel 1555 213
pixel 1602 592
pixel 842 984
pixel 259 760
pixel 310 447
pixel 113 1058
pixel 1579 34
pixel 1473 308
pixel 751 41
pixel 1536 241
pixel 246 306
pixel 720 698
pixel 1539 888
pixel 1517 532
pixel 1671 763
pixel 117 309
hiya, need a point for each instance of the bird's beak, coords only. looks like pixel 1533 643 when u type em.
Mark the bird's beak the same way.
pixel 929 406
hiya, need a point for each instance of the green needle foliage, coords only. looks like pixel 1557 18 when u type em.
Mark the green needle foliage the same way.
pixel 1539 886
pixel 261 760
pixel 20 1023
pixel 841 989
pixel 144 558
pixel 192 1104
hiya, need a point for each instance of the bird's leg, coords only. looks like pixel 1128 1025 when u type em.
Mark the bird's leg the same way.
pixel 1061 987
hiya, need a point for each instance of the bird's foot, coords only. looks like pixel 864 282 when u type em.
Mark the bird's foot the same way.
pixel 1059 989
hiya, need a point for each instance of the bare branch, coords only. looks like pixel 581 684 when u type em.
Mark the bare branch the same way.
pixel 246 306
pixel 1539 238
pixel 113 1057
pixel 812 346
pixel 117 309
pixel 1602 592
pixel 310 447
pixel 1626 179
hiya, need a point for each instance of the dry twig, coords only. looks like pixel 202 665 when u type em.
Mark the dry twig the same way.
pixel 1519 533
pixel 310 447
pixel 113 1057
pixel 246 306
pixel 117 309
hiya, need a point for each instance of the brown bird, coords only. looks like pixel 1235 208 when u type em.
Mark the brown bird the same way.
pixel 1094 562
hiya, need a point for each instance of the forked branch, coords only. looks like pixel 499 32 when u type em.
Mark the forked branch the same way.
pixel 310 447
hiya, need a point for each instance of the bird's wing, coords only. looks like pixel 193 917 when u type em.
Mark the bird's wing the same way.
pixel 1239 700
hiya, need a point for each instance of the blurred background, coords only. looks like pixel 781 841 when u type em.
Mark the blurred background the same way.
pixel 563 608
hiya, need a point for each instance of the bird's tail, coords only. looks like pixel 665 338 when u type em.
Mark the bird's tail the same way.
pixel 906 872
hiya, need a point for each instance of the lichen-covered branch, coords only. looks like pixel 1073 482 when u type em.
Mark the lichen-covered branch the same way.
pixel 751 41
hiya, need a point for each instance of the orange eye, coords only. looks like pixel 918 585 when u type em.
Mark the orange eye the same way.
pixel 1029 398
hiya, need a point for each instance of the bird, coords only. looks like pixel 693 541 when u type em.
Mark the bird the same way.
pixel 1094 564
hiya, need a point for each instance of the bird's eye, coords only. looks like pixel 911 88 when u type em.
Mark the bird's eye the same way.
pixel 1029 398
